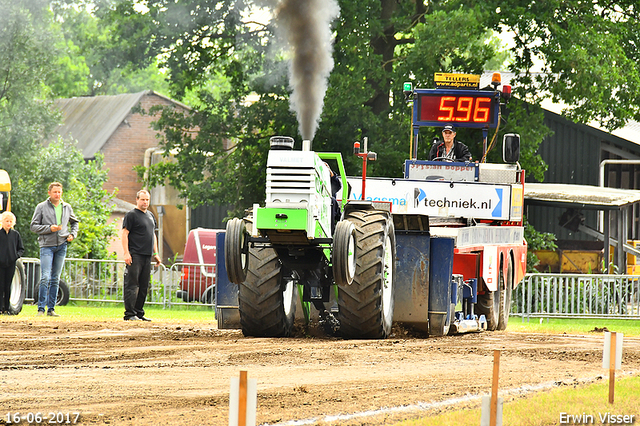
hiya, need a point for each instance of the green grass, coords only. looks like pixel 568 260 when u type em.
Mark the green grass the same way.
pixel 544 408
pixel 200 313
pixel 82 311
pixel 628 327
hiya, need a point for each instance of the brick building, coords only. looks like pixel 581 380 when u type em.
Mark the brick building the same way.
pixel 113 126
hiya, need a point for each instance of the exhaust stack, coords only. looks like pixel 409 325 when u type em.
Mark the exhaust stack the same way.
pixel 306 145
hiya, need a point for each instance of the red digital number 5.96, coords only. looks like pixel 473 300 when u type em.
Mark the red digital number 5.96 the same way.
pixel 464 109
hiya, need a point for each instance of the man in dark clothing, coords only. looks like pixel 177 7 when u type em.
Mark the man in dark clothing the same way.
pixel 11 249
pixel 449 148
pixel 140 246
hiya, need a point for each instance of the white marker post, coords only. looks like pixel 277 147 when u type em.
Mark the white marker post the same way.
pixel 612 358
pixel 492 406
pixel 243 401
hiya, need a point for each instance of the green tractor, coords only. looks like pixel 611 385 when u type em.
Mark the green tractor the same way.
pixel 337 256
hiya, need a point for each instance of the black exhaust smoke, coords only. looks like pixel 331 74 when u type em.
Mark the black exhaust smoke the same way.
pixel 306 25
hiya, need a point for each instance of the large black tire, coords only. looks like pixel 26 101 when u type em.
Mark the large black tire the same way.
pixel 489 306
pixel 366 306
pixel 267 301
pixel 506 287
pixel 62 297
pixel 344 253
pixel 235 251
pixel 18 289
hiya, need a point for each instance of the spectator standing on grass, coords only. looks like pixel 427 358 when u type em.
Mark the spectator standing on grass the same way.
pixel 140 246
pixel 11 249
pixel 56 226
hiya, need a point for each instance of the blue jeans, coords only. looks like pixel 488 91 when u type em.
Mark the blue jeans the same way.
pixel 51 263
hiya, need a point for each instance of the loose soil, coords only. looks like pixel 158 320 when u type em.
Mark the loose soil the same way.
pixel 133 373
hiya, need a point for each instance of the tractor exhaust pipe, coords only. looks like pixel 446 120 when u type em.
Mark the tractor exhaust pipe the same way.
pixel 306 145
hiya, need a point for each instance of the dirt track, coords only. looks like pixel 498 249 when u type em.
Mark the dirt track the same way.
pixel 170 373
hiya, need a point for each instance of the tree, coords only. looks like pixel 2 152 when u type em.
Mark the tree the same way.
pixel 378 45
pixel 82 182
pixel 27 120
pixel 588 52
pixel 25 63
pixel 90 62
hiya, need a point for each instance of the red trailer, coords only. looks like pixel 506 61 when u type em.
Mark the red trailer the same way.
pixel 199 266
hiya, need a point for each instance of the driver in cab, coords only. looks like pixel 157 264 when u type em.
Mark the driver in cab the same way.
pixel 449 149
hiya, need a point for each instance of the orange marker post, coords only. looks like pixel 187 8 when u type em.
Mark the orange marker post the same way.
pixel 612 358
pixel 494 389
pixel 612 367
pixel 242 400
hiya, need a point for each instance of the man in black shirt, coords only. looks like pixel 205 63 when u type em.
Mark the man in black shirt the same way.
pixel 140 246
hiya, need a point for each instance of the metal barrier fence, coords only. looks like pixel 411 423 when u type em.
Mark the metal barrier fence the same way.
pixel 91 280
pixel 539 295
pixel 577 296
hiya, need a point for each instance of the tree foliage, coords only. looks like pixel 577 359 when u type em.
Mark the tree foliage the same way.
pixel 378 45
pixel 90 61
pixel 25 64
pixel 28 62
pixel 82 188
pixel 587 52
pixel 537 241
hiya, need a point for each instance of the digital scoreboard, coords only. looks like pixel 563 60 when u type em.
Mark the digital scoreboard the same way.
pixel 461 108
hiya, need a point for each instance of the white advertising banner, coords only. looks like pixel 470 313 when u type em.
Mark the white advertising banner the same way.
pixel 438 198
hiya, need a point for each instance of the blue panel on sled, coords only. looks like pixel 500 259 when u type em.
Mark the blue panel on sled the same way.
pixel 471 291
pixel 412 266
pixel 440 274
pixel 454 292
pixel 226 291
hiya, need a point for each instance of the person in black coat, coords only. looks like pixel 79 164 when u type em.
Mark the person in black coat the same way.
pixel 449 148
pixel 11 249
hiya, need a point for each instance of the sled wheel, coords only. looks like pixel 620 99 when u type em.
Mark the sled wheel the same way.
pixel 267 299
pixel 505 296
pixel 62 298
pixel 344 253
pixel 235 250
pixel 366 306
pixel 489 306
pixel 18 289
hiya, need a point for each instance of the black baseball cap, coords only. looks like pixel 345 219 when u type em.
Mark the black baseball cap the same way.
pixel 448 127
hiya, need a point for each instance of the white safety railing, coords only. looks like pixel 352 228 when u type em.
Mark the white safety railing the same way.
pixel 91 280
pixel 539 295
pixel 577 296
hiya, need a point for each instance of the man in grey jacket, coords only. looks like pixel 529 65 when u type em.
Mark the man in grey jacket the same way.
pixel 56 226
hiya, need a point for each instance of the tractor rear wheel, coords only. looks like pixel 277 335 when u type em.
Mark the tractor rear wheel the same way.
pixel 235 250
pixel 366 306
pixel 343 255
pixel 267 301
pixel 17 289
pixel 506 286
